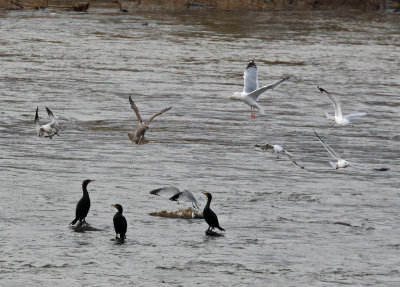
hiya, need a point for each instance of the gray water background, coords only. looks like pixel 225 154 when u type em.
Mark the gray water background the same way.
pixel 284 226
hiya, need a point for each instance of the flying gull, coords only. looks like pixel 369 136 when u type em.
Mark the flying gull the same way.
pixel 339 119
pixel 47 130
pixel 340 163
pixel 174 194
pixel 277 149
pixel 251 90
pixel 138 138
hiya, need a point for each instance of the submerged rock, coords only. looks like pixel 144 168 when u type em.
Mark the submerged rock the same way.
pixel 180 213
pixel 84 227
pixel 213 233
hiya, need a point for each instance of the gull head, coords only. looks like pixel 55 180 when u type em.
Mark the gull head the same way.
pixel 236 96
pixel 342 164
pixel 264 147
pixel 251 64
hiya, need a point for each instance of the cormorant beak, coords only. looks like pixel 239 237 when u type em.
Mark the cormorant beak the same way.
pixel 91 180
pixel 114 205
pixel 205 193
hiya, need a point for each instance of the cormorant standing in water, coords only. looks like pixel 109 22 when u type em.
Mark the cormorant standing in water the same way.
pixel 209 215
pixel 83 206
pixel 120 224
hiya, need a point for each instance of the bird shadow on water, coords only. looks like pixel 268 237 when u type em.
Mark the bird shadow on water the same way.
pixel 210 233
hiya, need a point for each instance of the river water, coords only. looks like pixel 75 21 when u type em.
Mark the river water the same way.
pixel 284 226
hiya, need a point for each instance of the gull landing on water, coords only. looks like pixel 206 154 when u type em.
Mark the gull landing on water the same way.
pixel 174 194
pixel 340 163
pixel 251 90
pixel 47 130
pixel 138 138
pixel 339 119
pixel 277 149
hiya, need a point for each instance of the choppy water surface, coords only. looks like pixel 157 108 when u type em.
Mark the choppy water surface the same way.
pixel 282 223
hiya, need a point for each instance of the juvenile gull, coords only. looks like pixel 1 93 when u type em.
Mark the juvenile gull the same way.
pixel 138 138
pixel 340 163
pixel 251 90
pixel 277 149
pixel 339 119
pixel 174 194
pixel 47 130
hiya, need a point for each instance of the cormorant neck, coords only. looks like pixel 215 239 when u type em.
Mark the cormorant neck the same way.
pixel 208 201
pixel 84 188
pixel 120 209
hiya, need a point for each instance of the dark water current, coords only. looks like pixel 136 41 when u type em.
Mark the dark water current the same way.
pixel 284 226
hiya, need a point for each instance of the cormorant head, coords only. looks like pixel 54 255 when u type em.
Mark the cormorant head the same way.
pixel 209 196
pixel 86 182
pixel 118 206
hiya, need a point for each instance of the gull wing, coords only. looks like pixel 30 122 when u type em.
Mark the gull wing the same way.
pixel 167 191
pixel 334 154
pixel 291 158
pixel 354 116
pixel 250 78
pixel 185 195
pixel 335 103
pixel 135 109
pixel 157 114
pixel 54 123
pixel 37 125
pixel 254 95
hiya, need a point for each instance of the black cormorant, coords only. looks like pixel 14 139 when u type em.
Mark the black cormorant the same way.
pixel 120 224
pixel 83 206
pixel 209 215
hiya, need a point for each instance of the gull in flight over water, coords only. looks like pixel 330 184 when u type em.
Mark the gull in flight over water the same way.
pixel 277 149
pixel 174 194
pixel 340 163
pixel 251 90
pixel 47 130
pixel 339 119
pixel 138 138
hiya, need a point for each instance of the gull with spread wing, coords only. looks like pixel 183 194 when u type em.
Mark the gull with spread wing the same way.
pixel 339 119
pixel 340 163
pixel 174 194
pixel 138 138
pixel 277 149
pixel 47 130
pixel 251 91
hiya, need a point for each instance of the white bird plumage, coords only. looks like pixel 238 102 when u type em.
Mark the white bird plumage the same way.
pixel 340 162
pixel 339 119
pixel 251 90
pixel 174 194
pixel 47 130
pixel 277 149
